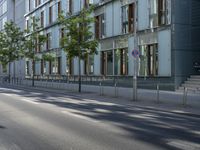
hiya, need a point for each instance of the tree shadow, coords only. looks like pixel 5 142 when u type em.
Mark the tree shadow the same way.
pixel 2 127
pixel 142 123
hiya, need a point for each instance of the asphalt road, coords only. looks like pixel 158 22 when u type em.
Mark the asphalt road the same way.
pixel 36 120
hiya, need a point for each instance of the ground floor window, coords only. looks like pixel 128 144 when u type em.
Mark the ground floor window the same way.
pixel 56 66
pixel 50 67
pixel 69 66
pixel 107 63
pixel 42 67
pixel 89 65
pixel 27 68
pixel 114 62
pixel 4 68
pixel 148 62
pixel 121 62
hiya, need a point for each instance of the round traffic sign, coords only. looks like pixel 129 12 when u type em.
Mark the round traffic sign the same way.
pixel 135 53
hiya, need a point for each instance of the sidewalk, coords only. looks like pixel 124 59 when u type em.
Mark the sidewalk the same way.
pixel 146 98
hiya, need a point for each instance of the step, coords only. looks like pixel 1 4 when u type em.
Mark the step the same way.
pixel 191 91
pixel 195 76
pixel 193 79
pixel 193 82
pixel 191 85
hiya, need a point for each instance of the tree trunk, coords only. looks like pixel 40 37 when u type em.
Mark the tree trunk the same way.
pixel 9 70
pixel 33 73
pixel 79 75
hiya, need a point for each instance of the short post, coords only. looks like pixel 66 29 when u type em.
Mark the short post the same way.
pixel 158 93
pixel 134 88
pixel 116 91
pixel 100 89
pixel 185 96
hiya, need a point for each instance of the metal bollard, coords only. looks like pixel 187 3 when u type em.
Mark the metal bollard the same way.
pixel 116 90
pixel 100 89
pixel 135 97
pixel 185 96
pixel 158 93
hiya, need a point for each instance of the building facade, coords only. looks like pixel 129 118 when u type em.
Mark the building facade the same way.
pixel 165 32
pixel 13 10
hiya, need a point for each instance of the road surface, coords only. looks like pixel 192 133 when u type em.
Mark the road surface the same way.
pixel 38 120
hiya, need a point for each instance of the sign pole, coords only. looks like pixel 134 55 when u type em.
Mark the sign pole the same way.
pixel 135 81
pixel 135 54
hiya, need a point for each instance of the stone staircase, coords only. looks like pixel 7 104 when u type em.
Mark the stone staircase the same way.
pixel 192 84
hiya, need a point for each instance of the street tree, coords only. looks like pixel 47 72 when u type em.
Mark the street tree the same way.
pixel 11 45
pixel 78 39
pixel 34 40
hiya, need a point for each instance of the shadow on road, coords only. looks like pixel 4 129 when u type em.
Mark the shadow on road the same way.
pixel 2 127
pixel 160 128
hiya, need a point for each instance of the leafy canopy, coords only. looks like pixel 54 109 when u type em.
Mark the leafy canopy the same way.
pixel 78 40
pixel 11 43
pixel 34 39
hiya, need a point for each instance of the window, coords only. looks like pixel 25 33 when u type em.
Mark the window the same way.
pixel 50 67
pixel 107 63
pixel 100 27
pixel 37 3
pixel 59 7
pixel 158 13
pixel 36 46
pixel 48 44
pixel 59 65
pixel 87 3
pixel 69 6
pixel 148 60
pixel 27 24
pixel 42 19
pixel 89 65
pixel 4 9
pixel 4 20
pixel 121 62
pixel 27 68
pixel 33 21
pixel 70 66
pixel 29 5
pixel 162 12
pixel 128 12
pixel 131 13
pixel 42 67
pixel 50 15
pixel 62 33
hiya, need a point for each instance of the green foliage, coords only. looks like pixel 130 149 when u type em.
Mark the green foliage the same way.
pixel 11 43
pixel 78 41
pixel 34 39
pixel 48 56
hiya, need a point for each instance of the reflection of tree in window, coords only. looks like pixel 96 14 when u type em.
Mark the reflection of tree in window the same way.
pixel 148 62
